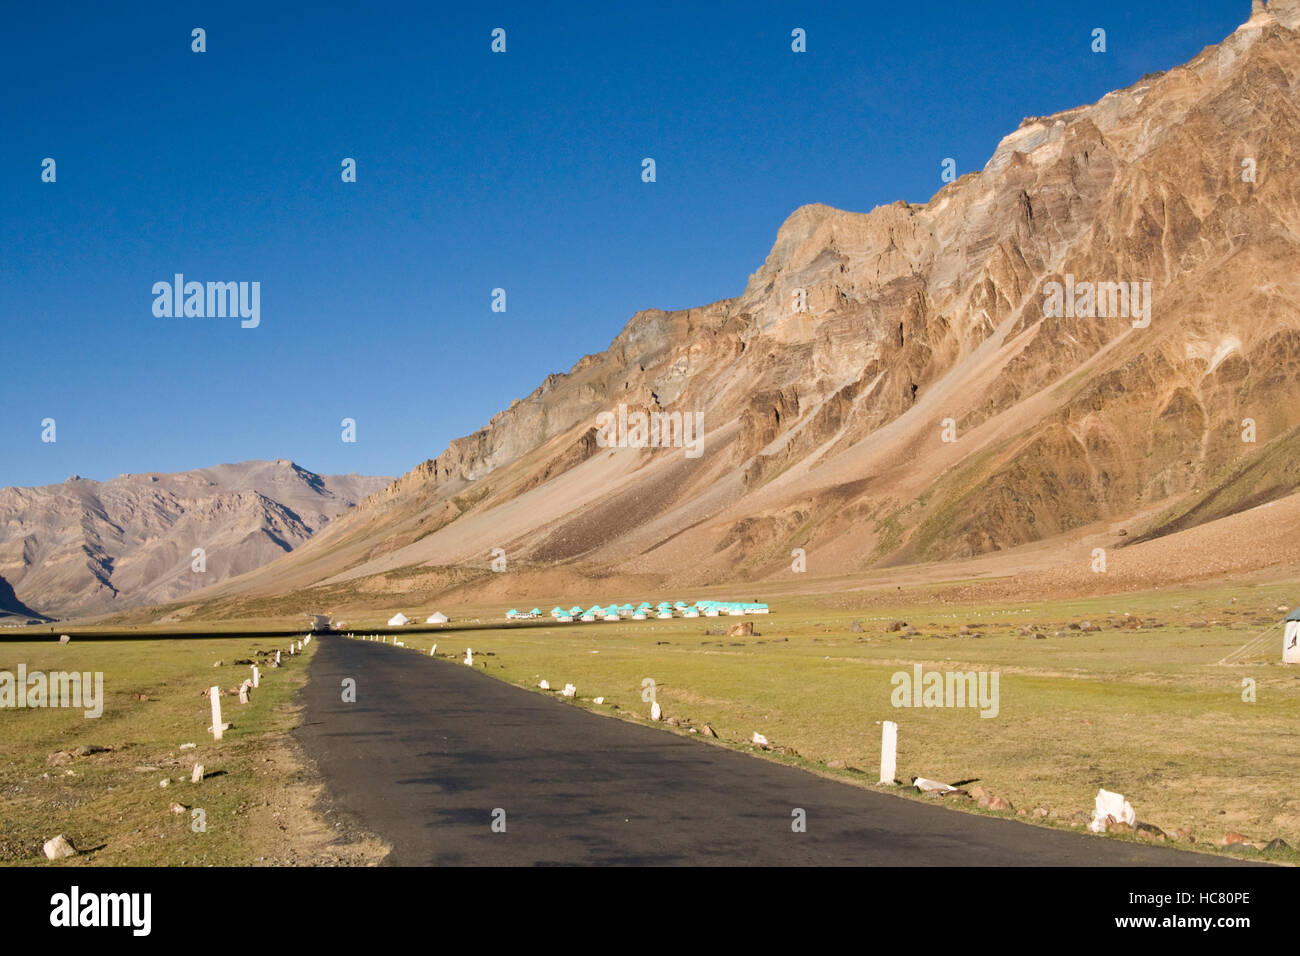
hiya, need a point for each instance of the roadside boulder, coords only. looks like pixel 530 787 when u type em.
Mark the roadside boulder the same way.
pixel 59 848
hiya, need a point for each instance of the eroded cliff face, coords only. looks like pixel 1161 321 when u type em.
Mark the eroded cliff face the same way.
pixel 865 340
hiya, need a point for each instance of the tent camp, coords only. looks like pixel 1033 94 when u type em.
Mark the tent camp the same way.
pixel 437 617
pixel 397 620
pixel 1291 638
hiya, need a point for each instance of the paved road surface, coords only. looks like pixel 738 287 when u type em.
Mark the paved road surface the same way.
pixel 431 748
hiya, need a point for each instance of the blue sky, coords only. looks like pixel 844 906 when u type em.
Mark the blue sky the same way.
pixel 475 171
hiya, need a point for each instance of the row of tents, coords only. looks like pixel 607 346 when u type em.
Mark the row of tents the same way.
pixel 397 620
pixel 664 610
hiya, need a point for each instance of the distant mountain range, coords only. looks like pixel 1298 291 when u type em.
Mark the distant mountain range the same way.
pixel 87 547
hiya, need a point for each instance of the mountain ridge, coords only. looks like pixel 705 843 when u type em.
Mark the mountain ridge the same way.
pixel 826 427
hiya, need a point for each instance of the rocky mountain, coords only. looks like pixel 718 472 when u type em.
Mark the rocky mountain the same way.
pixel 1098 329
pixel 86 547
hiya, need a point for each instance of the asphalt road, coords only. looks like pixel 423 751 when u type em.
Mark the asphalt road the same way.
pixel 430 749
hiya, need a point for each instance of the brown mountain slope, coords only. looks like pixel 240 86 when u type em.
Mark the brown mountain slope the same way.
pixel 825 429
pixel 88 546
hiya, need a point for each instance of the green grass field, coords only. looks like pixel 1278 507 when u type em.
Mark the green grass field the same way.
pixel 1142 710
pixel 255 798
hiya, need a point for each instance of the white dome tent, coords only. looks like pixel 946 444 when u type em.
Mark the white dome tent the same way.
pixel 398 619
pixel 437 617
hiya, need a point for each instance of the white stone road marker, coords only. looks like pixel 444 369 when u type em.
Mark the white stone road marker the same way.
pixel 214 694
pixel 888 751
pixel 256 677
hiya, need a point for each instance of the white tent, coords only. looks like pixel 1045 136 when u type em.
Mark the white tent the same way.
pixel 1291 638
pixel 397 620
pixel 437 617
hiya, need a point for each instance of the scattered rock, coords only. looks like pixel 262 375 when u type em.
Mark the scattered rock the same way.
pixel 896 626
pixel 758 740
pixel 673 722
pixel 1276 844
pixel 59 848
pixel 219 664
pixel 1000 803
pixel 85 750
pixel 58 758
pixel 187 746
pixel 708 731
pixel 164 782
pixel 598 700
pixel 836 765
pixel 743 629
pixel 1117 826
pixel 855 627
pixel 1151 833
pixel 544 685
pixel 196 776
pixel 1232 838
pixel 1041 812
pixel 1185 834
pixel 179 808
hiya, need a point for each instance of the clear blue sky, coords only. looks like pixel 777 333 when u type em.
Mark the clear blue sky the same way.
pixel 475 170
